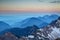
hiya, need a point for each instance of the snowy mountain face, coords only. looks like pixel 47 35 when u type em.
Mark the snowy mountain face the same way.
pixel 55 30
pixel 51 32
pixel 55 33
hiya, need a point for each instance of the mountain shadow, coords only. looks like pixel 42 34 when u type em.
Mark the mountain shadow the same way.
pixel 30 22
pixel 21 31
pixel 4 26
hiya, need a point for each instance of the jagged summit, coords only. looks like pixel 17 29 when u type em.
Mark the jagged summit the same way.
pixel 59 18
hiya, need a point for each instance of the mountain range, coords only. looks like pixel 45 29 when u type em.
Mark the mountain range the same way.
pixel 21 31
pixel 49 32
pixel 38 21
pixel 49 18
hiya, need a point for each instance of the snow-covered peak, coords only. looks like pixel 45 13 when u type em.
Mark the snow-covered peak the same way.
pixel 30 36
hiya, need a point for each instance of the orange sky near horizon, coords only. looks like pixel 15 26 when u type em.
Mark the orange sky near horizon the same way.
pixel 30 6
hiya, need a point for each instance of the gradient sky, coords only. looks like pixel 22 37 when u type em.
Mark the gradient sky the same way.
pixel 30 5
pixel 16 10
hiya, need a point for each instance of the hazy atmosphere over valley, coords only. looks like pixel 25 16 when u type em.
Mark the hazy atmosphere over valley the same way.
pixel 29 19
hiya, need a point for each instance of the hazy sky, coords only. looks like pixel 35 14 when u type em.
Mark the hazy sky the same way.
pixel 17 10
pixel 30 5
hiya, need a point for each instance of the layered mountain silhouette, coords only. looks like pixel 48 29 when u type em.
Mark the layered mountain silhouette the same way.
pixel 4 26
pixel 56 23
pixel 30 22
pixel 50 32
pixel 21 31
pixel 39 21
pixel 48 18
